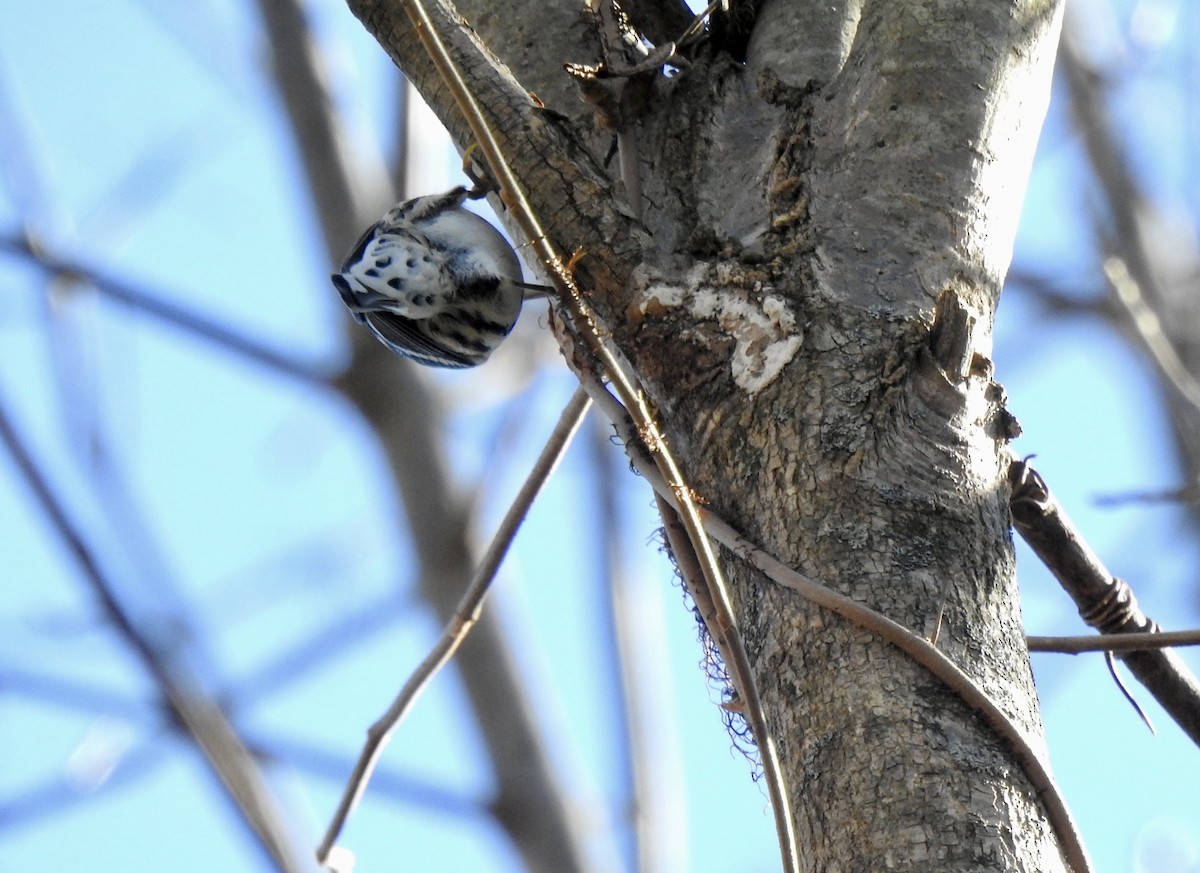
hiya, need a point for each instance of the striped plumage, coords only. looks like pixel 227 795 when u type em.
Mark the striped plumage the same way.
pixel 435 282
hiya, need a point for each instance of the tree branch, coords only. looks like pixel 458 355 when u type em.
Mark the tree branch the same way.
pixel 1125 642
pixel 1105 602
pixel 195 714
pixel 146 301
pixel 466 615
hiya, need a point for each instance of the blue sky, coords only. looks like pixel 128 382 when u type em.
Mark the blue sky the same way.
pixel 142 137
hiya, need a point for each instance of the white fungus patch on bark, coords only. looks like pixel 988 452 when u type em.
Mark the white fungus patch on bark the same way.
pixel 761 324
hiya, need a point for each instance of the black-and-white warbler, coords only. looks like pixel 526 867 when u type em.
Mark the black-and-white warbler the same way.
pixel 435 282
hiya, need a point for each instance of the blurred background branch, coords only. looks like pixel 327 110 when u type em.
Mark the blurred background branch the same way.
pixel 286 512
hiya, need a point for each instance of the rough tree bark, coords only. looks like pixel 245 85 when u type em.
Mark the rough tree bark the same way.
pixel 803 211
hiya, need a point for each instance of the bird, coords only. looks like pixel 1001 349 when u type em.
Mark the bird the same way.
pixel 435 282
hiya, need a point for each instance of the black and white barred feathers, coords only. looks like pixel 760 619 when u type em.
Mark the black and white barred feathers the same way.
pixel 435 282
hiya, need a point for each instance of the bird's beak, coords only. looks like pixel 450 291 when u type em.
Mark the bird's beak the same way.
pixel 354 300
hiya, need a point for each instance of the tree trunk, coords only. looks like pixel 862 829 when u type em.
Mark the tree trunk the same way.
pixel 803 211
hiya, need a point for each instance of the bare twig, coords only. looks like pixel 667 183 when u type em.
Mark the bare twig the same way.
pixel 426 793
pixel 198 716
pixel 916 647
pixel 1060 296
pixel 1150 328
pixel 1187 494
pixel 464 618
pixel 149 303
pixel 152 592
pixel 588 325
pixel 932 659
pixel 1105 602
pixel 1131 642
